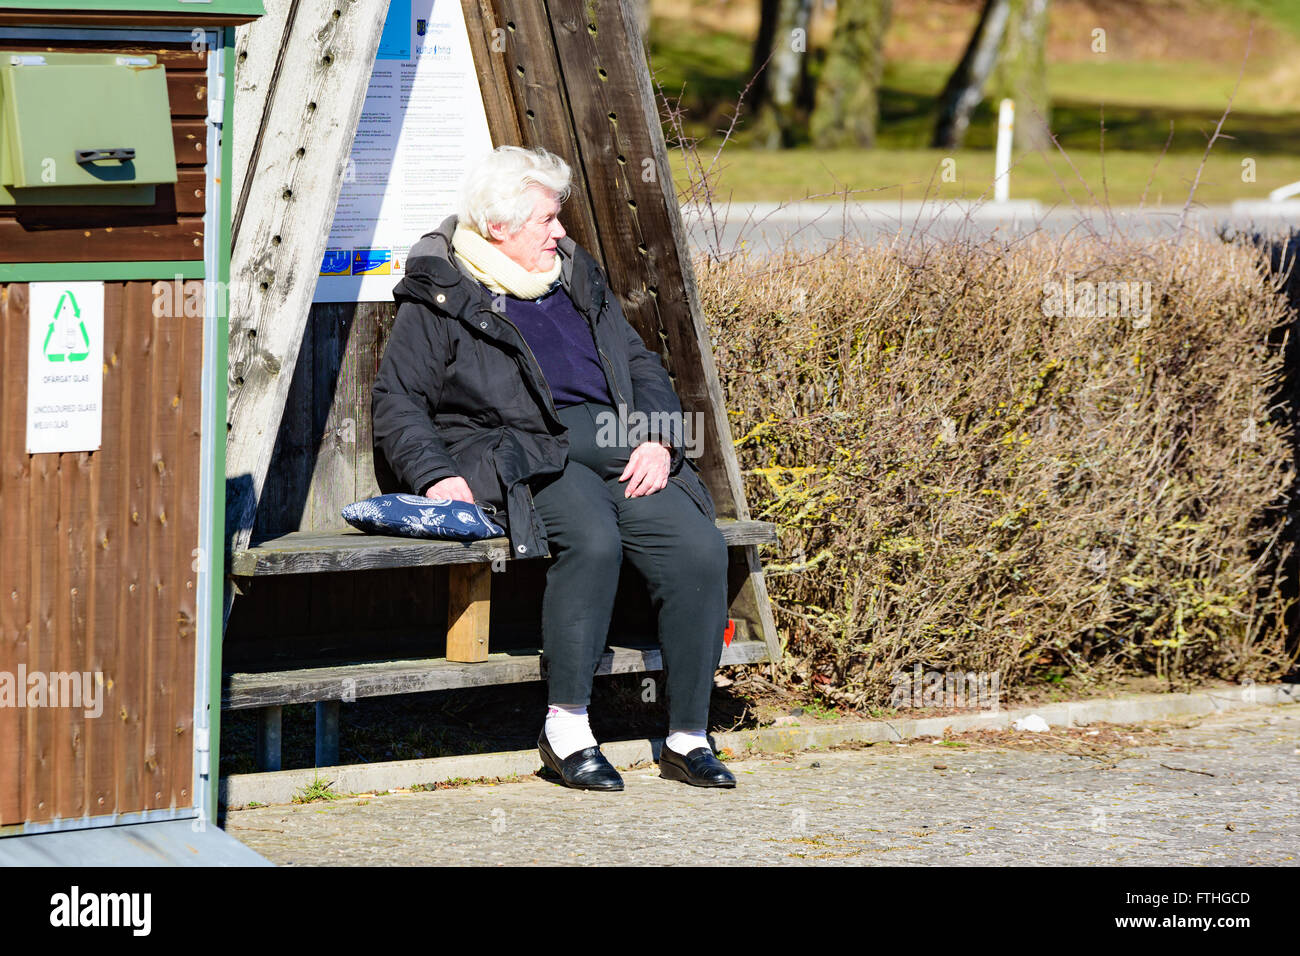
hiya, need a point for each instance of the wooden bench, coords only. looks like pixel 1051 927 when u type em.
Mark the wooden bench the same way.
pixel 468 661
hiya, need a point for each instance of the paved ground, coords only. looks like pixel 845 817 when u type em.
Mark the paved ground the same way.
pixel 1218 790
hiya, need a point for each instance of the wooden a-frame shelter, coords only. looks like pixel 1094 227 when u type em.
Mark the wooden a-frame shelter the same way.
pixel 568 75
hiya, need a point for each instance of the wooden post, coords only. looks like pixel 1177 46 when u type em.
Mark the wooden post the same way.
pixel 469 592
pixel 327 733
pixel 306 122
pixel 268 738
pixel 259 56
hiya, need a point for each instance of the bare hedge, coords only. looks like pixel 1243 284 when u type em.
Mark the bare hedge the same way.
pixel 969 474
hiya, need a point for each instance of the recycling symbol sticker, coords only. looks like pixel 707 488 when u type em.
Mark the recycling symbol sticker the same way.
pixel 67 339
pixel 65 367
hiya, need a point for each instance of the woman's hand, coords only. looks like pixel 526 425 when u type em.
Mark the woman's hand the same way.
pixel 455 488
pixel 647 469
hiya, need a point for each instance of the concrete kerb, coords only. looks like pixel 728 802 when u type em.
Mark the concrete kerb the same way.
pixel 241 790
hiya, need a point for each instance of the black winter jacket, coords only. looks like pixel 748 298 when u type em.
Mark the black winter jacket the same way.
pixel 459 392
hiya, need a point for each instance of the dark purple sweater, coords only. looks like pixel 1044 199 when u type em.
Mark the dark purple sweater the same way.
pixel 561 339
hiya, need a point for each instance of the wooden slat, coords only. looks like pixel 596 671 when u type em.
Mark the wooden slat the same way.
pixel 186 404
pixel 102 738
pixel 190 192
pixel 384 678
pixel 42 520
pixel 185 197
pixel 138 343
pixel 469 599
pixel 77 520
pixel 367 353
pixel 188 93
pixel 15 560
pixel 161 584
pixel 310 123
pixel 179 240
pixel 333 482
pixel 307 552
pixel 190 141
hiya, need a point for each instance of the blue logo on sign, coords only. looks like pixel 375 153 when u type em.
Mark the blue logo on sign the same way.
pixel 337 262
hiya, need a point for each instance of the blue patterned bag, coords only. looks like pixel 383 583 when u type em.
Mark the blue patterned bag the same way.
pixel 411 516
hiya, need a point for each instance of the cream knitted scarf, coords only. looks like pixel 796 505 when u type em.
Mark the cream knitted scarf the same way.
pixel 496 270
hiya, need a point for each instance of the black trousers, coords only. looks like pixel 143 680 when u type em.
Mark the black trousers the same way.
pixel 591 528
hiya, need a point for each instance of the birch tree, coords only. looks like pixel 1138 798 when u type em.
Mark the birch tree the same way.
pixel 965 87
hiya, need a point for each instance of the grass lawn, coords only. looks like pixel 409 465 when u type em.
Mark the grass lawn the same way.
pixel 751 176
pixel 1284 13
pixel 1139 99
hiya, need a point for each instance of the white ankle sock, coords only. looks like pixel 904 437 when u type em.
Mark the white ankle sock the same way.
pixel 567 730
pixel 684 741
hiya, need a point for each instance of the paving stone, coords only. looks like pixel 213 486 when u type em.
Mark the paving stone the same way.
pixel 1166 800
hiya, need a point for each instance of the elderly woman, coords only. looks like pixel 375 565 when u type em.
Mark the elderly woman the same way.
pixel 508 358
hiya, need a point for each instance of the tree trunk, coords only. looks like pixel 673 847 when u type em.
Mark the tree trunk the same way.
pixel 1022 72
pixel 768 13
pixel 965 87
pixel 774 126
pixel 848 104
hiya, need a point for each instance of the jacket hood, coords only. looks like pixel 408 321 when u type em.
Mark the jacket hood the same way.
pixel 435 278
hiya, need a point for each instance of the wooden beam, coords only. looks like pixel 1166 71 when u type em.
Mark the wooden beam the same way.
pixel 489 41
pixel 625 159
pixel 383 678
pixel 300 157
pixel 310 552
pixel 512 39
pixel 469 605
pixel 259 54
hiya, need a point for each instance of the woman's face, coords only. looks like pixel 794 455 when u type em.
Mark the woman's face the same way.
pixel 533 246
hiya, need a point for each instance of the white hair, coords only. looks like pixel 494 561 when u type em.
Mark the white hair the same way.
pixel 495 189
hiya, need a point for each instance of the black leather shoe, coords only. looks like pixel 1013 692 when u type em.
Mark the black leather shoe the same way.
pixel 585 770
pixel 699 768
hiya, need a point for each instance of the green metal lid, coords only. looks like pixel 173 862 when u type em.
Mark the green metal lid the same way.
pixel 248 8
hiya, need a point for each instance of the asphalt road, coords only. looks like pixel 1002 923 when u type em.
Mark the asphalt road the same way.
pixel 762 228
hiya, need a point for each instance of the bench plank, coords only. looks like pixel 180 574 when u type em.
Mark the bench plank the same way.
pixel 307 552
pixel 381 678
